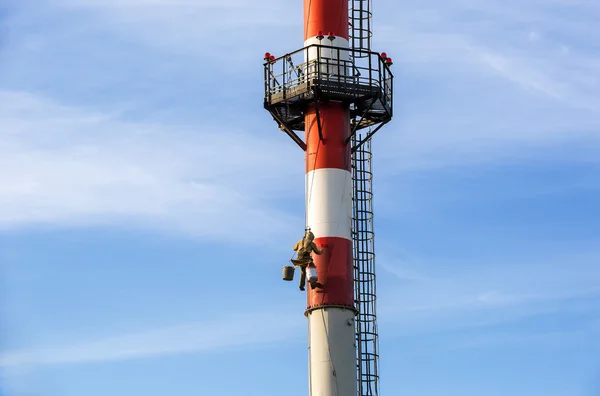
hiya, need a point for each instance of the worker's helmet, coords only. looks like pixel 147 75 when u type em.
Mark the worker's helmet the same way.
pixel 309 235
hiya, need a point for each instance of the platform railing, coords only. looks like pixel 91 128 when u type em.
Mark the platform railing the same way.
pixel 294 74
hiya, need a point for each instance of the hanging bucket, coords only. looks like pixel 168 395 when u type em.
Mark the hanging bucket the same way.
pixel 311 274
pixel 287 273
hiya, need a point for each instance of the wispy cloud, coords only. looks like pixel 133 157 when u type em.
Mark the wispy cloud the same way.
pixel 486 297
pixel 585 336
pixel 490 293
pixel 548 75
pixel 88 85
pixel 65 165
pixel 473 88
pixel 220 334
pixel 404 265
pixel 185 26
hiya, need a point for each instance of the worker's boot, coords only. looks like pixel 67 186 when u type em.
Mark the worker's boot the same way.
pixel 316 285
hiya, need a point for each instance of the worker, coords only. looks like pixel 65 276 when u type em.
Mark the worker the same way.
pixel 305 247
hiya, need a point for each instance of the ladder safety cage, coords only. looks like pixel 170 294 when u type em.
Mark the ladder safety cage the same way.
pixel 365 292
pixel 363 235
pixel 360 25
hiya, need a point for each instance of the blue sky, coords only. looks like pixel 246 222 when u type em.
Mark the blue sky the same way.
pixel 148 202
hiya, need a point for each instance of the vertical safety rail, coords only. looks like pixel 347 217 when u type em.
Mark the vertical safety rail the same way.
pixel 364 248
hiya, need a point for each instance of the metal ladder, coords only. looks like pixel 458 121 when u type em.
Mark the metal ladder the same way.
pixel 364 272
pixel 362 227
pixel 360 24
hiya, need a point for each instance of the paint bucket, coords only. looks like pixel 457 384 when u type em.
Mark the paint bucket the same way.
pixel 287 273
pixel 311 274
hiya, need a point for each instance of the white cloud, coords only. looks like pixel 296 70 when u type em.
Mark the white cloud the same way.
pixel 63 165
pixel 404 265
pixel 219 334
pixel 534 36
pixel 491 295
pixel 483 91
pixel 227 29
pixel 463 113
pixel 482 35
pixel 466 91
pixel 470 89
pixel 466 295
pixel 585 336
pixel 535 75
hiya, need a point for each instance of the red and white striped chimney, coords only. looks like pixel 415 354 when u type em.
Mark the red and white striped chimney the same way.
pixel 330 311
